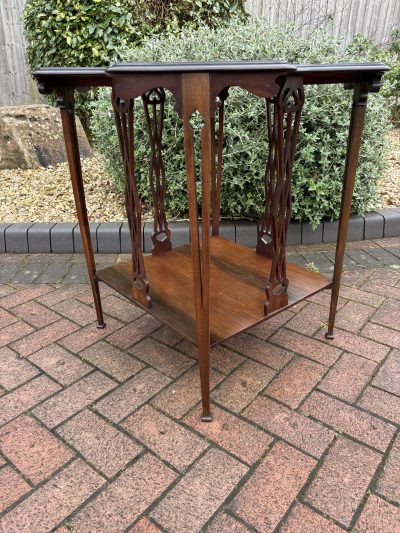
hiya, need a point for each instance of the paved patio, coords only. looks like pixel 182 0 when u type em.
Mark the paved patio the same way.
pixel 100 431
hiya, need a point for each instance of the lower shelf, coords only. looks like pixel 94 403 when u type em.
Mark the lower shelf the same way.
pixel 237 295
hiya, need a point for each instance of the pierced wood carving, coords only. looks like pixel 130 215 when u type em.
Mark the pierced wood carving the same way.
pixel 154 111
pixel 283 121
pixel 217 171
pixel 124 120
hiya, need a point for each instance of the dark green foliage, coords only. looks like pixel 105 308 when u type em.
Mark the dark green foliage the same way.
pixel 89 33
pixel 392 85
pixel 161 16
pixel 63 33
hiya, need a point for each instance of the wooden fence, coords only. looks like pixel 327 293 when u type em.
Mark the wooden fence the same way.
pixel 373 18
pixel 16 84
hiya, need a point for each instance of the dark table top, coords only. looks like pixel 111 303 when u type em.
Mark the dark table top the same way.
pixel 312 74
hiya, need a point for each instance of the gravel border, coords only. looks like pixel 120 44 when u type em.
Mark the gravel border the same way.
pixel 113 237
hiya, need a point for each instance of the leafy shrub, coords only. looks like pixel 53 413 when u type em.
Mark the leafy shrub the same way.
pixel 90 33
pixel 66 33
pixel 390 54
pixel 392 84
pixel 70 33
pixel 171 17
pixel 319 164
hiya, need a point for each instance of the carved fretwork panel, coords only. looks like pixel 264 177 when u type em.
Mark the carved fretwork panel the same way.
pixel 124 120
pixel 217 168
pixel 283 121
pixel 154 111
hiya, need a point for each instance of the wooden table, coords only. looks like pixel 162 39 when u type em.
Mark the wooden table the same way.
pixel 212 288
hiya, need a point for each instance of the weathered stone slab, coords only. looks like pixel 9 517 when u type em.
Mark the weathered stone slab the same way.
pixel 31 137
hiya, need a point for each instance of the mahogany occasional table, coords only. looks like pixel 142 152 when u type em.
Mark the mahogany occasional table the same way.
pixel 212 288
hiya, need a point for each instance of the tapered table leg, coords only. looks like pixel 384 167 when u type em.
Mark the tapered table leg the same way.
pixel 195 98
pixel 360 97
pixel 65 102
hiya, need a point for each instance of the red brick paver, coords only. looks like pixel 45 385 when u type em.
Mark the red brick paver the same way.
pixel 224 523
pixel 126 498
pixel 72 399
pixel 25 397
pixel 53 501
pixel 168 439
pixel 263 352
pixel 60 364
pixel 100 429
pixel 33 449
pixel 311 348
pixel 35 314
pixel 303 519
pixel 348 377
pixel 195 498
pixel 388 377
pixel 108 449
pixel 164 358
pixel 12 487
pixel 144 526
pixel 230 432
pixel 342 480
pixel 243 385
pixel 13 370
pixel 43 337
pixel 289 425
pixel 378 516
pixel 275 483
pixel 389 482
pixel 295 381
pixel 183 394
pixel 347 419
pixel 114 362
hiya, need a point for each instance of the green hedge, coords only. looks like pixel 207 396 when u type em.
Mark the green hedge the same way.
pixel 90 33
pixel 319 163
pixel 70 33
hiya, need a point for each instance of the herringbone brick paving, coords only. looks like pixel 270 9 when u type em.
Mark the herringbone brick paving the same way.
pixel 100 430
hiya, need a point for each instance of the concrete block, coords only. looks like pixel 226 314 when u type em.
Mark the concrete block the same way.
pixel 78 246
pixel 179 233
pixel 392 221
pixel 227 230
pixel 356 228
pixel 246 232
pixel 109 238
pixel 310 236
pixel 374 224
pixel 39 238
pixel 330 230
pixel 147 232
pixel 294 233
pixel 125 239
pixel 61 238
pixel 3 227
pixel 16 237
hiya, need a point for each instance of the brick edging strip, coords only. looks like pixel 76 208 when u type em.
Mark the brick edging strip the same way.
pixel 113 237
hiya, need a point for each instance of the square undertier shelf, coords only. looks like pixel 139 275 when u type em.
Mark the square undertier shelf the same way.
pixel 237 287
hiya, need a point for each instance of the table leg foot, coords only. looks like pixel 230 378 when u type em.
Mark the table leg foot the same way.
pixel 329 335
pixel 100 325
pixel 206 418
